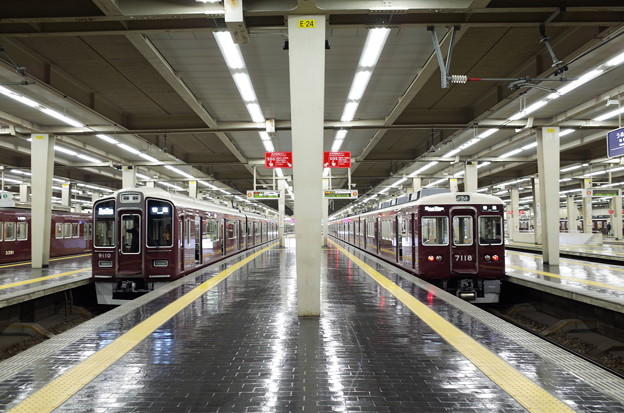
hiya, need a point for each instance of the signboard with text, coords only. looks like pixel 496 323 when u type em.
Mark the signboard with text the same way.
pixel 615 143
pixel 278 160
pixel 340 193
pixel 336 159
pixel 263 194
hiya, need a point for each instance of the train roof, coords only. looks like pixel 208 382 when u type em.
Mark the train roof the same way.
pixel 446 198
pixel 182 201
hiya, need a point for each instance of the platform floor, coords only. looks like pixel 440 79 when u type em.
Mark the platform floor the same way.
pixel 228 339
pixel 20 282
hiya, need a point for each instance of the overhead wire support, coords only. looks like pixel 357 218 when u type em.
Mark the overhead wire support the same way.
pixel 444 67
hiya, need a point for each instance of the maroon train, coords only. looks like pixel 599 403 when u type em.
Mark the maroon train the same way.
pixel 452 240
pixel 71 234
pixel 145 237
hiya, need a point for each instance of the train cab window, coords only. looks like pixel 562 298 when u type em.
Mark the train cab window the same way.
pixel 58 230
pixel 462 230
pixel 75 230
pixel 22 231
pixel 159 223
pixel 490 230
pixel 434 230
pixel 104 224
pixel 9 231
pixel 67 230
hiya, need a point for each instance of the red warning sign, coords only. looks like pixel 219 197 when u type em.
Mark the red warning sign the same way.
pixel 336 159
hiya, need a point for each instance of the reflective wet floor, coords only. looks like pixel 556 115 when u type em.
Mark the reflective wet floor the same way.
pixel 240 347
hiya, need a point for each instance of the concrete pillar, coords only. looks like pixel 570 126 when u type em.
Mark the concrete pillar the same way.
pixel 66 194
pixel 470 177
pixel 548 170
pixel 514 225
pixel 572 214
pixel 416 184
pixel 95 196
pixel 281 208
pixel 128 176
pixel 306 52
pixel 42 168
pixel 616 222
pixel 149 184
pixel 587 206
pixel 325 219
pixel 23 192
pixel 78 207
pixel 537 213
pixel 192 189
pixel 453 186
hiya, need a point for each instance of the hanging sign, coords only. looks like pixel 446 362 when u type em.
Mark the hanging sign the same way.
pixel 336 159
pixel 340 193
pixel 263 194
pixel 278 160
pixel 615 143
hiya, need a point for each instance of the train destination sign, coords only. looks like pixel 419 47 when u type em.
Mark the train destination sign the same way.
pixel 278 160
pixel 340 193
pixel 263 194
pixel 615 143
pixel 336 159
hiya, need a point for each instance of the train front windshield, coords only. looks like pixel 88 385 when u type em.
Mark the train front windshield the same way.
pixel 104 233
pixel 159 223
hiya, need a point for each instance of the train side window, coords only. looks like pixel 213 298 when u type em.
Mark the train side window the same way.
pixel 87 231
pixel 9 231
pixel 1 231
pixel 490 230
pixel 434 230
pixel 213 230
pixel 230 230
pixel 75 230
pixel 462 230
pixel 58 230
pixel 67 230
pixel 159 223
pixel 22 231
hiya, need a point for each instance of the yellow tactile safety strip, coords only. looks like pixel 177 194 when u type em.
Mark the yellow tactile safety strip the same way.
pixel 572 261
pixel 564 277
pixel 66 385
pixel 527 393
pixel 48 277
pixel 51 259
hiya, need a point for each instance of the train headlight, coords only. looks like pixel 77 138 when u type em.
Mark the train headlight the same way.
pixel 438 258
pixel 487 258
pixel 430 258
pixel 495 257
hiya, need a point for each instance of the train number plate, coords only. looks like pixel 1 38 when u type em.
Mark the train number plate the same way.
pixel 461 257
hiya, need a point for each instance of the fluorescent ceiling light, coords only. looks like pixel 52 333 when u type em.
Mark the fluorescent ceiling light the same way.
pixel 349 112
pixel 399 182
pixel 65 150
pixel 434 183
pixel 179 172
pixel 88 158
pixel 616 60
pixel 245 88
pixel 360 81
pixel 566 132
pixel 578 82
pixel 148 158
pixel 483 164
pixel 424 168
pixel 609 115
pixel 18 97
pixel 336 145
pixel 230 50
pixel 107 138
pixel 375 42
pixel 61 117
pixel 255 112
pixel 224 191
pixel 141 176
pixel 172 186
pixel 529 146
pixel 264 136
pixel 451 153
pixel 571 168
pixel 128 148
pixel 528 110
pixel 510 153
pixel 487 133
pixel 207 184
pixel 279 172
pixel 268 145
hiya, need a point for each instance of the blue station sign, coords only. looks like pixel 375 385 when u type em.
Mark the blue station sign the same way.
pixel 615 143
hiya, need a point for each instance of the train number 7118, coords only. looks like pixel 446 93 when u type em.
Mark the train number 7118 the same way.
pixel 459 257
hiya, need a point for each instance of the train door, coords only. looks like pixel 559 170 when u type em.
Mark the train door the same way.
pixel 129 261
pixel 223 236
pixel 198 240
pixel 377 233
pixel 463 245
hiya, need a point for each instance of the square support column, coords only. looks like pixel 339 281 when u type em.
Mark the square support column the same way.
pixel 306 52
pixel 128 176
pixel 281 211
pixel 513 225
pixel 548 170
pixel 42 167
pixel 572 213
pixel 470 177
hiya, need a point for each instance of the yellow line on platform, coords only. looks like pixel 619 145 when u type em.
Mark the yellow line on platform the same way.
pixel 66 385
pixel 48 277
pixel 527 393
pixel 51 259
pixel 564 277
